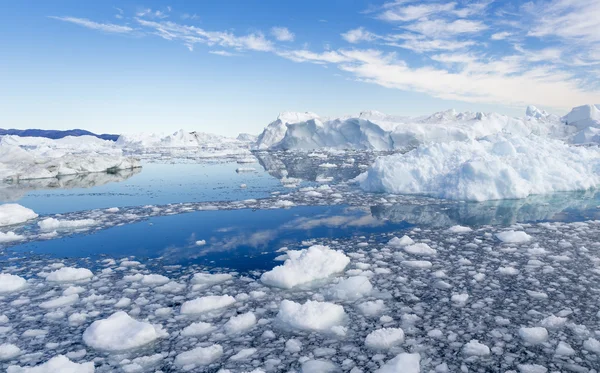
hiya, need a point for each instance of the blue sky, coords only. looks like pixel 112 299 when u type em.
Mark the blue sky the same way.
pixel 230 66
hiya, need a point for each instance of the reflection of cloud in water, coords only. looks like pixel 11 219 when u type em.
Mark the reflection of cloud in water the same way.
pixel 10 192
pixel 336 221
pixel 260 240
pixel 559 206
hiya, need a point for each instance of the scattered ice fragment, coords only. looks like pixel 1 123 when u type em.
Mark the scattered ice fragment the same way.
pixel 513 236
pixel 120 332
pixel 11 283
pixel 418 264
pixel 12 213
pixel 207 303
pixel 420 249
pixel 197 328
pixel 312 315
pixel 319 366
pixel 350 289
pixel 459 229
pixel 52 224
pixel 399 242
pixel 384 338
pixel 304 266
pixel 199 356
pixel 70 274
pixel 9 351
pixel 65 300
pixel 564 349
pixel 58 364
pixel 592 345
pixel 293 345
pixel 475 348
pixel 404 362
pixel 240 323
pixel 534 335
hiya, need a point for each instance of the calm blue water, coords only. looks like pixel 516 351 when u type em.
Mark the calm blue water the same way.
pixel 239 239
pixel 155 184
pixel 247 239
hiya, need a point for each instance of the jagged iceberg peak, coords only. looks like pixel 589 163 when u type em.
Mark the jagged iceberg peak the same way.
pixel 583 116
pixel 296 117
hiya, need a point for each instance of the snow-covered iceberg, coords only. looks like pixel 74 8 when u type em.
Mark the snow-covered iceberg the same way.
pixel 494 167
pixel 184 143
pixel 23 158
pixel 372 130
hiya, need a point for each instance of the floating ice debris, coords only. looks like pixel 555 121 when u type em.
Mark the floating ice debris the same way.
pixel 475 348
pixel 400 242
pixel 197 328
pixel 513 236
pixel 312 315
pixel 120 332
pixel 199 356
pixel 12 213
pixel 9 351
pixel 404 362
pixel 534 335
pixel 11 283
pixel 51 224
pixel 350 289
pixel 304 266
pixel 420 249
pixel 459 229
pixel 58 364
pixel 206 304
pixel 241 323
pixel 70 274
pixel 384 338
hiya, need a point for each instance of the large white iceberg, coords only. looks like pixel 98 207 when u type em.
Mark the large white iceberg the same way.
pixel 371 130
pixel 494 167
pixel 23 158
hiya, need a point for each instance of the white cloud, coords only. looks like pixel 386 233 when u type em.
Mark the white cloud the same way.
pixel 443 28
pixel 191 35
pixel 357 35
pixel 507 81
pixel 222 53
pixel 500 35
pixel 105 27
pixel 414 12
pixel 282 34
pixel 576 20
pixel 420 44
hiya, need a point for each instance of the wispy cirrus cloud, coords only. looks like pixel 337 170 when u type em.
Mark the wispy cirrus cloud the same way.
pixel 462 50
pixel 104 27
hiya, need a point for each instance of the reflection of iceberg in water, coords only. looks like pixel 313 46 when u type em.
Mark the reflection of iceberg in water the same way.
pixel 556 207
pixel 10 192
pixel 292 167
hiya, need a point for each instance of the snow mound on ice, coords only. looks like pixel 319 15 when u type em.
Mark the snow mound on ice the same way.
pixel 58 364
pixel 496 167
pixel 350 289
pixel 12 213
pixel 120 332
pixel 304 266
pixel 11 283
pixel 311 316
